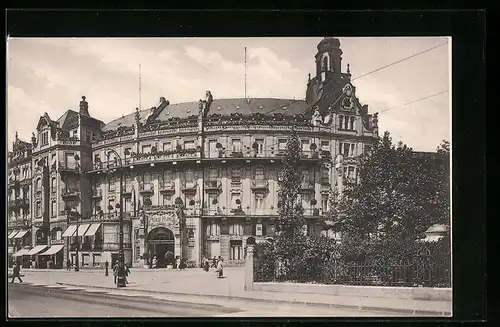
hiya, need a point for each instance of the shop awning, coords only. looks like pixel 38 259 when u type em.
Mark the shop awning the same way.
pixel 12 234
pixel 82 229
pixel 53 249
pixel 92 230
pixel 21 233
pixel 70 231
pixel 37 249
pixel 21 253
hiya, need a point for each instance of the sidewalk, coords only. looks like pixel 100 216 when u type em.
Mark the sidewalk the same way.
pixel 200 283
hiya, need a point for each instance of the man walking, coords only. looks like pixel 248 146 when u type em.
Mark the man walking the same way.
pixel 115 271
pixel 17 273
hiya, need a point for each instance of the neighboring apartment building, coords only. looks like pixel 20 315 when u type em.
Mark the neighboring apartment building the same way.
pixel 222 157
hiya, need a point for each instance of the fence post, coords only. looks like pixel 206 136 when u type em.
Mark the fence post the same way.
pixel 249 269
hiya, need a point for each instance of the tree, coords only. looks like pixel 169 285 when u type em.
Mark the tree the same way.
pixel 401 193
pixel 290 222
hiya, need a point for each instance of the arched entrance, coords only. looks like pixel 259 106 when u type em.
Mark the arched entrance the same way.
pixel 160 241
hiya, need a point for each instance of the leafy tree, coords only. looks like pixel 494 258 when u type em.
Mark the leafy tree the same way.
pixel 401 193
pixel 290 222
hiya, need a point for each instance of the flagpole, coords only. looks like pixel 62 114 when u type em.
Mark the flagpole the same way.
pixel 245 73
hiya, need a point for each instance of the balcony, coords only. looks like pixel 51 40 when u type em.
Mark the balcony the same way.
pixel 96 194
pixel 268 154
pixel 70 193
pixel 111 217
pixel 259 185
pixel 167 187
pixel 189 187
pixel 146 189
pixel 69 167
pixel 213 186
pixel 307 186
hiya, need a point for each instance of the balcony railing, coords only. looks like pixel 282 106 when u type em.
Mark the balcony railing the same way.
pixel 111 216
pixel 213 185
pixel 189 186
pixel 146 188
pixel 264 154
pixel 167 187
pixel 70 192
pixel 66 166
pixel 259 185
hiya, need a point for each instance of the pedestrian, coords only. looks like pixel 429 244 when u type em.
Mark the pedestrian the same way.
pixel 183 264
pixel 177 262
pixel 127 272
pixel 206 264
pixel 68 265
pixel 155 262
pixel 214 263
pixel 220 268
pixel 115 271
pixel 17 273
pixel 106 266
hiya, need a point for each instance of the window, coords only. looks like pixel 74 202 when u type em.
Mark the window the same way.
pixel 146 177
pixel 236 230
pixel 282 144
pixel 324 202
pixel 53 208
pixel 305 145
pixel 111 184
pixel 146 148
pixel 97 158
pixel 53 185
pixel 236 250
pixel 38 185
pixel 189 199
pixel 325 176
pixel 352 172
pixel 346 148
pixel 325 145
pixel 346 122
pixel 236 175
pixel 306 175
pixel 167 199
pixel 69 160
pixel 38 209
pixel 167 146
pixel 236 144
pixel 213 229
pixel 189 175
pixel 167 175
pixel 351 123
pixel 75 133
pixel 44 138
pixel 341 121
pixel 260 145
pixel 111 203
pixel 127 150
pixel 189 145
pixel 213 174
pixel 137 252
pixel 259 173
pixel 259 201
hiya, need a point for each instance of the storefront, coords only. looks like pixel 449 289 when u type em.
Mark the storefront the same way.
pixel 54 256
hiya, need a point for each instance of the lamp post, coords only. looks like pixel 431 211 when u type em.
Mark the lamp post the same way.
pixel 121 281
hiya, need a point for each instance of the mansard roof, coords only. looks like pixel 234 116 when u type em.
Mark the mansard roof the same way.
pixel 222 107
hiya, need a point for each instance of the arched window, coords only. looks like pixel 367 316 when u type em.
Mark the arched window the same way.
pixel 39 184
pixel 326 63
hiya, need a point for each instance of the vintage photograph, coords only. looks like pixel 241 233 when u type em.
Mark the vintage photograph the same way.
pixel 229 177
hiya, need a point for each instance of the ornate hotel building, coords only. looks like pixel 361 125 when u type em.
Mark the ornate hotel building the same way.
pixel 221 157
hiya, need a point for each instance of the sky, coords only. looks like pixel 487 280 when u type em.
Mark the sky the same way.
pixel 52 74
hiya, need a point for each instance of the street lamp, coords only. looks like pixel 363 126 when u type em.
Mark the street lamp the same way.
pixel 76 216
pixel 121 282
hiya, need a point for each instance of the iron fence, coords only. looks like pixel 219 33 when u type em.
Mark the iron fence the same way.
pixel 420 270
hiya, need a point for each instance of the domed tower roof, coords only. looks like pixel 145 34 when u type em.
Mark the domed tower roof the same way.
pixel 329 43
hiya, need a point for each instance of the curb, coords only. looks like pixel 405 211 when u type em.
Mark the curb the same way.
pixel 307 303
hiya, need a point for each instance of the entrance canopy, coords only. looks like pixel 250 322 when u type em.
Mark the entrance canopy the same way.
pixel 21 252
pixel 92 229
pixel 21 233
pixel 53 249
pixel 82 229
pixel 37 249
pixel 70 231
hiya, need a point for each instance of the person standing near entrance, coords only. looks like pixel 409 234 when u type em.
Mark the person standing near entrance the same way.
pixel 17 273
pixel 220 268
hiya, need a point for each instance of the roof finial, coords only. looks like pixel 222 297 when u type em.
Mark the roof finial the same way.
pixel 16 136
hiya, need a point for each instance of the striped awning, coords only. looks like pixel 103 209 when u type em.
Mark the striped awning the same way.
pixel 82 229
pixel 37 249
pixel 93 229
pixel 70 231
pixel 21 233
pixel 53 249
pixel 12 234
pixel 21 253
